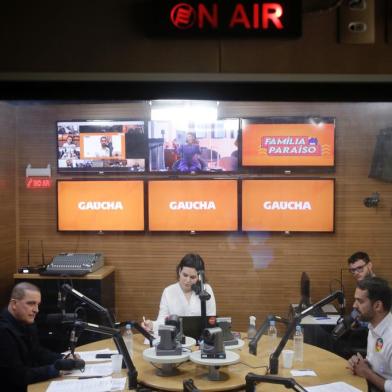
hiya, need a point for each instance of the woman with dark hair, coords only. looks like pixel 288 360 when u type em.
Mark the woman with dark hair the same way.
pixel 180 298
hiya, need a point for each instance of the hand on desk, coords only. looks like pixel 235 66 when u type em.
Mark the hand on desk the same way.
pixel 359 365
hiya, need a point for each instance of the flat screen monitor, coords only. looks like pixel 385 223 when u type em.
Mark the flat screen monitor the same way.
pixel 101 146
pixel 100 205
pixel 288 205
pixel 193 146
pixel 192 205
pixel 304 291
pixel 288 142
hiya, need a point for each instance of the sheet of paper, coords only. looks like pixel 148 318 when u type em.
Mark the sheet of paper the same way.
pixel 118 384
pixel 303 372
pixel 90 356
pixel 331 319
pixel 92 370
pixel 91 384
pixel 333 387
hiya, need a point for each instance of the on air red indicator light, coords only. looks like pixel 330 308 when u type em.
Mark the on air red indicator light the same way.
pixel 184 18
pixel 38 182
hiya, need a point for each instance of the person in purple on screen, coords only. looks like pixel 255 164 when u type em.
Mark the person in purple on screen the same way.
pixel 190 160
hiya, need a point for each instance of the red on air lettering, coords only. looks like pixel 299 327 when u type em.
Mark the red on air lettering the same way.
pixel 272 12
pixel 256 12
pixel 239 17
pixel 205 16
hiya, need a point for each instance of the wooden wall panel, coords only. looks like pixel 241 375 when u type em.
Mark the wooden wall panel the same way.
pixel 250 273
pixel 112 39
pixel 7 199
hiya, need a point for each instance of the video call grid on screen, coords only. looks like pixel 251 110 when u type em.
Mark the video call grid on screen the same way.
pixel 288 142
pixel 100 146
pixel 223 146
pixel 288 205
pixel 100 205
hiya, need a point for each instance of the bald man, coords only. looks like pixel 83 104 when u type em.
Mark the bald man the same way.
pixel 23 360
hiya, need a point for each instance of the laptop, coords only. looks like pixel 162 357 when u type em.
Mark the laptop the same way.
pixel 192 326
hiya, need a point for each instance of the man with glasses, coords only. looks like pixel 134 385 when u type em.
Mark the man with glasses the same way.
pixel 23 360
pixel 360 266
pixel 352 333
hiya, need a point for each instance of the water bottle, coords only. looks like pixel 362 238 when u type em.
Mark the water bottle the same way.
pixel 298 344
pixel 252 327
pixel 272 336
pixel 128 339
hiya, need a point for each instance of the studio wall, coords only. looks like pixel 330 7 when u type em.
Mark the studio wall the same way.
pixel 47 36
pixel 8 199
pixel 256 273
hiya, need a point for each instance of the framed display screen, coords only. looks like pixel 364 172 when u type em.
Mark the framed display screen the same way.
pixel 193 205
pixel 99 205
pixel 288 205
pixel 193 146
pixel 288 142
pixel 101 146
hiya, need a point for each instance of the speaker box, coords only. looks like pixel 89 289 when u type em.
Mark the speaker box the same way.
pixel 381 168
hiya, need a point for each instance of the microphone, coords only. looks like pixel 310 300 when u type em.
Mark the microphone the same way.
pixel 344 325
pixel 69 364
pixel 342 303
pixel 196 288
pixel 60 318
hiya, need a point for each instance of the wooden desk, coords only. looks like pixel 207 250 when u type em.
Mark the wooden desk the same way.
pixel 328 366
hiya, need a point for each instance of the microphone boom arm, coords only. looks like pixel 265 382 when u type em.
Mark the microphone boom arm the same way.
pixel 274 358
pixel 262 329
pixel 122 348
pixel 252 378
pixel 69 289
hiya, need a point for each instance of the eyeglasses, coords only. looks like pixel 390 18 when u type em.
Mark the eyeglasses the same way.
pixel 357 269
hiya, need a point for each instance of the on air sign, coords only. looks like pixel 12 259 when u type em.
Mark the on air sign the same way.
pixel 182 18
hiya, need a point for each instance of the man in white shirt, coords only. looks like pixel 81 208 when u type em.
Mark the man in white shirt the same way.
pixel 373 304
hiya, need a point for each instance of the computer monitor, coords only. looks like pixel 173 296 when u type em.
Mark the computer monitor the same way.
pixel 192 326
pixel 305 291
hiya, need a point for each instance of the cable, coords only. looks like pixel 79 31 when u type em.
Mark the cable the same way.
pixel 254 367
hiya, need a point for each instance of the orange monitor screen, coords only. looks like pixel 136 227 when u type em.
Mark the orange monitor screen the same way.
pixel 288 143
pixel 194 205
pixel 288 205
pixel 100 205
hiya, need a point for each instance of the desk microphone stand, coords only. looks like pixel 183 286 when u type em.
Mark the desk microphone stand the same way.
pixel 252 378
pixel 274 358
pixel 122 348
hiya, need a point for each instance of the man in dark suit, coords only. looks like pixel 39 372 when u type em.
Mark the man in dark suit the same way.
pixel 23 360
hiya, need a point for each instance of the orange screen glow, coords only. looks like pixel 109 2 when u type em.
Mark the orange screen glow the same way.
pixel 194 205
pixel 100 205
pixel 288 144
pixel 288 205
